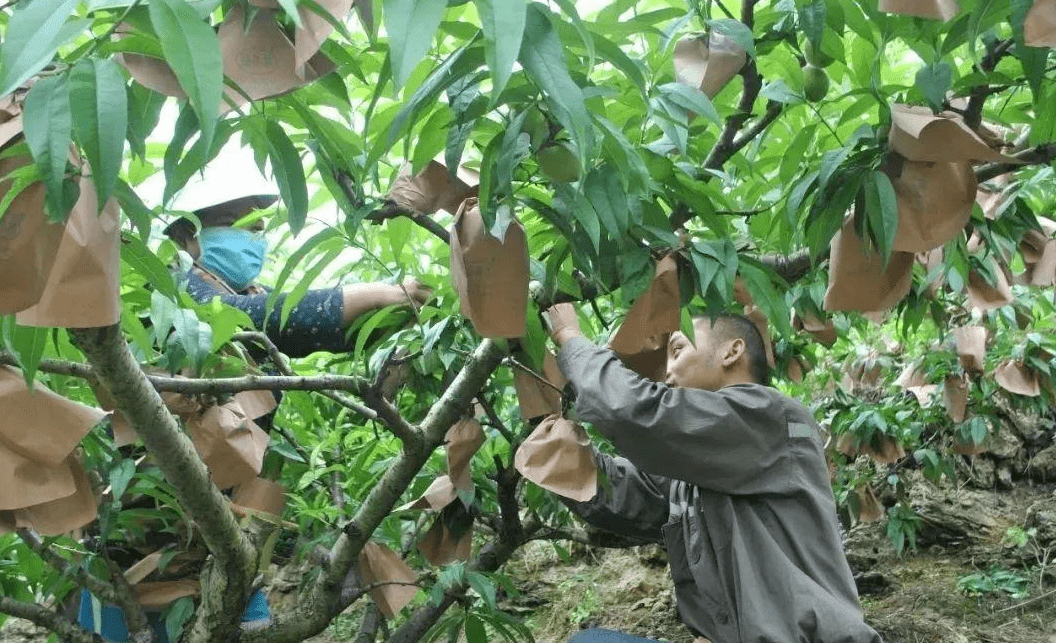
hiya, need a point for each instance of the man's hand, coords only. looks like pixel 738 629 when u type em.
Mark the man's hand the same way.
pixel 563 323
pixel 417 291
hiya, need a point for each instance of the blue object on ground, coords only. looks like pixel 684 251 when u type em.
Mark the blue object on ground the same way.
pixel 598 635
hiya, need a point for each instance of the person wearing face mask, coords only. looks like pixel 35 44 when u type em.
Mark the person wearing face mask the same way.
pixel 228 257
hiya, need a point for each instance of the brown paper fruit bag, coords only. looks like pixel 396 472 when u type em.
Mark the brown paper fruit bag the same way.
pixel 1016 378
pixel 537 397
pixel 84 285
pixel 933 9
pixel 49 426
pixel 708 62
pixel 985 295
pixel 858 279
pixel 869 508
pixel 230 444
pixel 558 457
pixel 64 514
pixel 433 188
pixel 24 482
pixel 379 564
pixel 461 442
pixel 1039 27
pixel 450 538
pixel 260 494
pixel 641 341
pixel 955 398
pixel 919 135
pixel 823 331
pixel 440 493
pixel 971 347
pixel 261 60
pixel 490 275
pixel 28 243
pixel 934 201
pixel 887 450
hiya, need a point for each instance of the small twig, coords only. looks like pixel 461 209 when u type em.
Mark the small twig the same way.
pixel 512 361
pixel 47 618
pixel 1033 156
pixel 63 566
pixel 117 23
pixel 497 422
pixel 1027 602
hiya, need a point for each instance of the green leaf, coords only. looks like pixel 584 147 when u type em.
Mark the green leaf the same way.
pixel 888 204
pixel 503 25
pixel 692 99
pixel 812 21
pixel 48 127
pixel 288 171
pixel 934 81
pixel 759 280
pixel 27 344
pixel 195 336
pixel 607 197
pixel 584 213
pixel 35 31
pixel 475 632
pixel 144 112
pixel 100 120
pixel 738 32
pixel 177 615
pixel 542 56
pixel 120 475
pixel 193 51
pixel 290 7
pixel 411 25
pixel 137 255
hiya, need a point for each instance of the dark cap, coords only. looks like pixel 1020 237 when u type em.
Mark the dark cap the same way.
pixel 223 214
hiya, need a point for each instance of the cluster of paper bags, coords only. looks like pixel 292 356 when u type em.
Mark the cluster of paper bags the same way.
pixel 54 274
pixel 1039 25
pixel 258 57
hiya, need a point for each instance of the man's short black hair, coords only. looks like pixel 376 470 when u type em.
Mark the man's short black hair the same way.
pixel 733 326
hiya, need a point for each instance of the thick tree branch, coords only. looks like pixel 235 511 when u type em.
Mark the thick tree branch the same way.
pixel 791 267
pixel 43 617
pixel 1034 156
pixel 175 456
pixel 323 601
pixel 368 628
pixel 973 114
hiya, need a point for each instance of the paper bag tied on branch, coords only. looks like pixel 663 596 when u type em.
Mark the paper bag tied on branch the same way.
pixel 538 398
pixel 558 457
pixel 440 493
pixel 461 442
pixel 40 424
pixel 433 188
pixel 708 62
pixel 63 514
pixel 316 28
pixel 1016 378
pixel 955 397
pixel 84 286
pixel 822 331
pixel 256 56
pixel 230 444
pixel 989 291
pixel 450 538
pixel 379 564
pixel 490 275
pixel 1038 248
pixel 971 347
pixel 641 341
pixel 260 494
pixel 935 201
pixel 858 279
pixel 1039 26
pixel 28 243
pixel 919 135
pixel 934 9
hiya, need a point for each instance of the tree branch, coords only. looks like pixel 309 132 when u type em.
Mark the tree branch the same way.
pixel 391 210
pixel 43 617
pixel 973 114
pixel 117 370
pixel 1034 156
pixel 368 629
pixel 323 601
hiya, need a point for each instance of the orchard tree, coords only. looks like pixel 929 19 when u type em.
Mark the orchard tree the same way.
pixel 813 163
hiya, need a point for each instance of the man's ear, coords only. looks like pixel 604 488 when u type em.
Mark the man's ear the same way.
pixel 732 351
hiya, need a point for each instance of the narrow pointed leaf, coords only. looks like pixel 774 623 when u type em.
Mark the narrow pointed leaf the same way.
pixel 289 173
pixel 100 120
pixel 193 51
pixel 34 32
pixel 48 127
pixel 503 26
pixel 411 25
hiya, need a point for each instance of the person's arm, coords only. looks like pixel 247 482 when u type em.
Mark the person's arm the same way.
pixel 628 502
pixel 732 441
pixel 361 298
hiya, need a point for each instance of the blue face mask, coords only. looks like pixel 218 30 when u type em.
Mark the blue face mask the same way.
pixel 236 255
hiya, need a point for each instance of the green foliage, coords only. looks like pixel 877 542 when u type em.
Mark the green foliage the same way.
pixel 994 581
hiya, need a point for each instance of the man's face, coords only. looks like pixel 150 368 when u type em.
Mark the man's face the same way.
pixel 698 366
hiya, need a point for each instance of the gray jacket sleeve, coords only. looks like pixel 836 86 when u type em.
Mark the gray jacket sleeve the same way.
pixel 628 502
pixel 732 441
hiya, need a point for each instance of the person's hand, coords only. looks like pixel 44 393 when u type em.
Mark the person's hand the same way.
pixel 563 323
pixel 417 291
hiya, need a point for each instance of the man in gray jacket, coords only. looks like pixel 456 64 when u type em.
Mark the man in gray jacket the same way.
pixel 730 473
